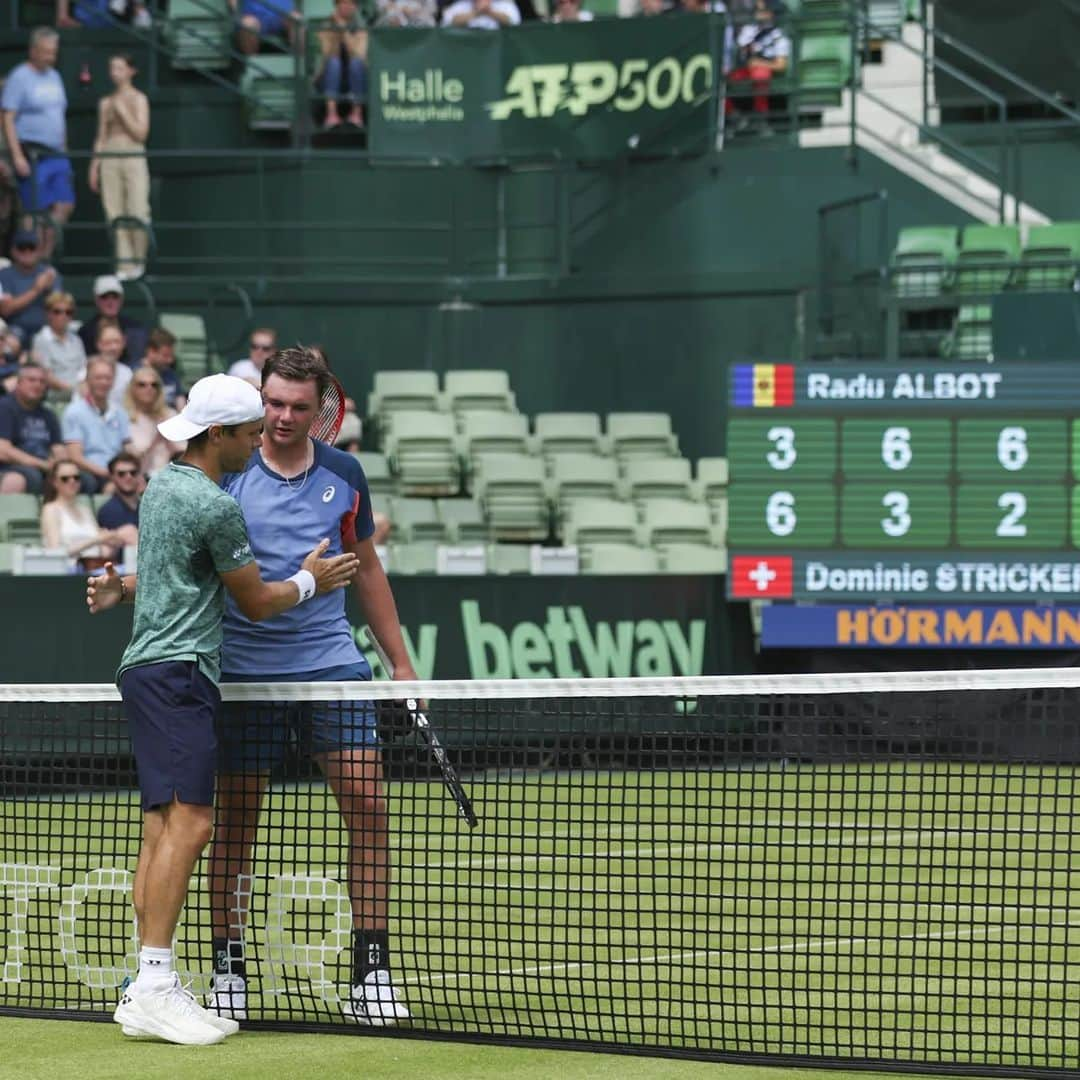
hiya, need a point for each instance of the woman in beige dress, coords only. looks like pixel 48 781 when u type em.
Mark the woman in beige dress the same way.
pixel 144 402
pixel 124 182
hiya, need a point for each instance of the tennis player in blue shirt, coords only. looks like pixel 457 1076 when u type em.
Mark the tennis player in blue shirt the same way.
pixel 293 489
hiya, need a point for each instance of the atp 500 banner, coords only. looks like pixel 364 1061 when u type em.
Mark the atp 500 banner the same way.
pixel 592 90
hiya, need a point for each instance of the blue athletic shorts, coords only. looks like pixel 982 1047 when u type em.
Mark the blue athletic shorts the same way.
pixel 255 735
pixel 51 181
pixel 171 710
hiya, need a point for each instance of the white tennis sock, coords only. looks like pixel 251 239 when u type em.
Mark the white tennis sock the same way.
pixel 155 967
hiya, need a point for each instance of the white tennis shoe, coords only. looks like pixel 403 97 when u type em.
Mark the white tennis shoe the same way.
pixel 227 1000
pixel 375 1002
pixel 169 1013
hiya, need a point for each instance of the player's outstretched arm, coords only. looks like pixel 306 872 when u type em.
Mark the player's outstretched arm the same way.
pixel 104 591
pixel 259 599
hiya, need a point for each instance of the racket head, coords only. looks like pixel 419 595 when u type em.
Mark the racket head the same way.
pixel 327 424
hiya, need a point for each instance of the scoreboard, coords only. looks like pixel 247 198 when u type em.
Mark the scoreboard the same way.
pixel 871 462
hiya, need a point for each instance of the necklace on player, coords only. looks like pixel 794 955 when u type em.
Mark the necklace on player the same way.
pixel 296 485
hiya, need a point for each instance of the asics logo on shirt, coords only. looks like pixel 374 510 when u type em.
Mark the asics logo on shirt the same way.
pixel 328 494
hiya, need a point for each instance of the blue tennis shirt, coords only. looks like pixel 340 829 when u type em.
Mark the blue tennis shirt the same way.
pixel 285 520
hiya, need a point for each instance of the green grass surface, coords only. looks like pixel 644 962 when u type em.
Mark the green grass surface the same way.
pixel 881 911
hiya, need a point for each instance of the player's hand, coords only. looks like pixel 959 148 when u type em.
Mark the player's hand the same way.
pixel 104 590
pixel 333 573
pixel 22 166
pixel 406 673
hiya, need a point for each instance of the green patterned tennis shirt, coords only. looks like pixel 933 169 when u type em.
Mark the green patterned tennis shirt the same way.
pixel 190 532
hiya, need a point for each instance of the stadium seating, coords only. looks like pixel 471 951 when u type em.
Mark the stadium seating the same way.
pixel 377 470
pixel 20 519
pixel 567 433
pixel 924 259
pixel 475 391
pixel 417 521
pixel 463 520
pixel 7 557
pixel 972 336
pixel 653 478
pixel 619 559
pixel 693 559
pixel 673 521
pixel 420 558
pixel 824 69
pixel 986 257
pixel 640 435
pixel 601 521
pixel 1051 257
pixel 512 492
pixel 492 433
pixel 579 476
pixel 508 559
pixel 422 451
pixel 397 391
pixel 197 33
pixel 269 88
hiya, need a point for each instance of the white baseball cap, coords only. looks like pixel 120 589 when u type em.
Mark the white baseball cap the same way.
pixel 217 399
pixel 108 283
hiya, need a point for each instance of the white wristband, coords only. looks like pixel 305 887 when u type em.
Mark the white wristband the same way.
pixel 304 580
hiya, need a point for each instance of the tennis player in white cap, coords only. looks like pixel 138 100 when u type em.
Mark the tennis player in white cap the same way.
pixel 193 546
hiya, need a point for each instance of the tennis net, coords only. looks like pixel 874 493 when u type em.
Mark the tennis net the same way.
pixel 864 870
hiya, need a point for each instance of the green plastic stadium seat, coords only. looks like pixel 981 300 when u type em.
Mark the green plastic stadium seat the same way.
pixel 511 490
pixel 197 34
pixel 694 559
pixel 1051 257
pixel 652 478
pixel 491 433
pixel 509 559
pixel 476 391
pixel 269 88
pixel 464 521
pixel 824 69
pixel 192 345
pixel 640 435
pixel 578 476
pixel 567 433
pixel 673 521
pixel 395 391
pixel 885 17
pixel 986 258
pixel 20 519
pixel 711 485
pixel 7 557
pixel 619 559
pixel 422 452
pixel 972 336
pixel 601 521
pixel 923 260
pixel 421 558
pixel 416 521
pixel 377 471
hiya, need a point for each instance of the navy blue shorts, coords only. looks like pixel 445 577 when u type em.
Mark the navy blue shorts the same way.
pixel 50 182
pixel 255 735
pixel 171 710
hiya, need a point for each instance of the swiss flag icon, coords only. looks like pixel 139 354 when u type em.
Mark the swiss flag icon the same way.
pixel 761 576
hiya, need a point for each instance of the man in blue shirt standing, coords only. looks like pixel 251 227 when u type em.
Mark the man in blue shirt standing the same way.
pixel 34 107
pixel 292 489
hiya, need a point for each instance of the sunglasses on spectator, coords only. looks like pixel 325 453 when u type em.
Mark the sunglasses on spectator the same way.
pixel 26 247
pixel 143 383
pixel 260 346
pixel 126 472
pixel 61 311
pixel 69 479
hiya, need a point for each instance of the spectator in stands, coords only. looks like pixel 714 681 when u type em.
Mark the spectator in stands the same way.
pixel 482 14
pixel 34 106
pixel 24 285
pixel 123 126
pixel 95 431
pixel 653 7
pixel 407 13
pixel 58 348
pixel 109 300
pixel 110 347
pixel 67 524
pixel 144 403
pixel 102 14
pixel 161 356
pixel 257 19
pixel 342 77
pixel 120 514
pixel 11 358
pixel 762 52
pixel 260 348
pixel 30 441
pixel 567 11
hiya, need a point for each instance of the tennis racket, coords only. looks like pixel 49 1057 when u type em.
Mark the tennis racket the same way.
pixel 438 754
pixel 327 424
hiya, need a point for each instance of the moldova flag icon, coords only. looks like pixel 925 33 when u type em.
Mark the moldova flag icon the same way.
pixel 764 386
